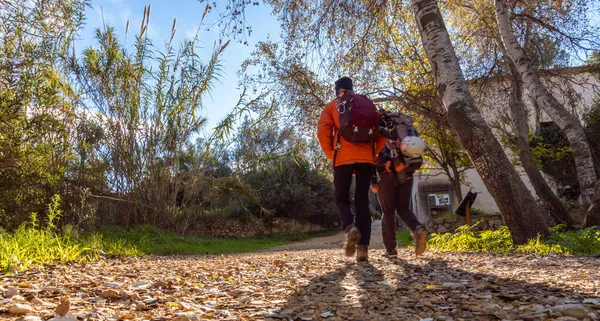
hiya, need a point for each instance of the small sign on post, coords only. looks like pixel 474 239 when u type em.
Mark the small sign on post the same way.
pixel 468 214
pixel 465 206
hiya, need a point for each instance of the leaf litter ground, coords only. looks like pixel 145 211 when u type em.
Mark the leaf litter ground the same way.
pixel 317 284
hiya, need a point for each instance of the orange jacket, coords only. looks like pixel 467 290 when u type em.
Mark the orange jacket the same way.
pixel 348 152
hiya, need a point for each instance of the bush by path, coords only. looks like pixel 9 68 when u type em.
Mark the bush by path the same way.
pixel 465 239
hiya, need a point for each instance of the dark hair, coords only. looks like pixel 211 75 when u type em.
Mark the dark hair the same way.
pixel 343 83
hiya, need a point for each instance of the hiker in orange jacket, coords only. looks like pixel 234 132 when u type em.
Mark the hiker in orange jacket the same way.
pixel 351 159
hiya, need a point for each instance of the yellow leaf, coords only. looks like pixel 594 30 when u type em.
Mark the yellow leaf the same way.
pixel 430 287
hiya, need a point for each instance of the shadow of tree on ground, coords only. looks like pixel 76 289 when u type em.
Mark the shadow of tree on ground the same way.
pixel 449 287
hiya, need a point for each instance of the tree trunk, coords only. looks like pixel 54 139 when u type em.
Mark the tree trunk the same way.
pixel 523 216
pixel 568 123
pixel 456 182
pixel 592 216
pixel 556 209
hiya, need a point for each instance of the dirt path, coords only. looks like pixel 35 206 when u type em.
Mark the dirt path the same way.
pixel 335 241
pixel 311 284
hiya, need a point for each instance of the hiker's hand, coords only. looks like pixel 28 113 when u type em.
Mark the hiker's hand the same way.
pixel 374 188
pixel 389 166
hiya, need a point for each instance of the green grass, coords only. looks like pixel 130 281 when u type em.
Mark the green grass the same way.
pixel 404 238
pixel 465 239
pixel 151 240
pixel 31 246
pixel 450 215
pixel 472 212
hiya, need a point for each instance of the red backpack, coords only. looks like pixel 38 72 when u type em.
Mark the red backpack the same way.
pixel 359 120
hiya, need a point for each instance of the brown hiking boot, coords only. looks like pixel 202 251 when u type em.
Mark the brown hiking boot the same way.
pixel 352 237
pixel 420 238
pixel 393 253
pixel 362 253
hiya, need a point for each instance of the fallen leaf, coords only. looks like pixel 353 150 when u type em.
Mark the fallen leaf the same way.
pixel 63 307
pixel 109 294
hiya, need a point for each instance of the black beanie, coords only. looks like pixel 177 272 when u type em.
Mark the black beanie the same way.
pixel 343 83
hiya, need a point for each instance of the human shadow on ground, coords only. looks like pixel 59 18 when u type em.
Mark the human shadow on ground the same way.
pixel 448 291
pixel 429 289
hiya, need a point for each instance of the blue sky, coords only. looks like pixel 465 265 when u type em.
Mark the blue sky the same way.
pixel 188 14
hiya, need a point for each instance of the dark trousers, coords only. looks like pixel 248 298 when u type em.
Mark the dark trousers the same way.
pixel 395 197
pixel 342 178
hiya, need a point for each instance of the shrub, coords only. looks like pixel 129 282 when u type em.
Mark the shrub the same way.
pixel 465 239
pixel 292 189
pixel 450 215
pixel 473 212
pixel 552 152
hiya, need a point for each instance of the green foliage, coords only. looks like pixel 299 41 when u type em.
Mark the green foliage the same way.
pixel 472 212
pixel 404 238
pixel 292 188
pixel 586 241
pixel 30 245
pixel 151 102
pixel 450 215
pixel 552 152
pixel 109 129
pixel 36 102
pixel 264 141
pixel 147 239
pixel 465 239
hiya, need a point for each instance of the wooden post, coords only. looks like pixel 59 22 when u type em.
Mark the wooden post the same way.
pixel 468 215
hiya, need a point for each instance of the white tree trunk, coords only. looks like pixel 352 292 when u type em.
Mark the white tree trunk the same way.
pixel 558 212
pixel 522 214
pixel 566 121
pixel 592 216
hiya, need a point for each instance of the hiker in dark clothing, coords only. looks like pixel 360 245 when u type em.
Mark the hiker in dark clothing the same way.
pixel 394 192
